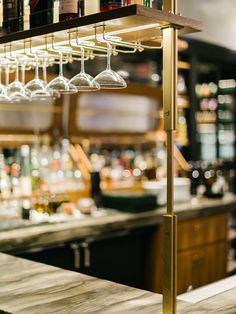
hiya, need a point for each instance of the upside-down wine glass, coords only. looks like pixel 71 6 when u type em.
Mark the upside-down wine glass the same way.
pixel 37 87
pixel 109 79
pixel 16 90
pixel 54 93
pixel 61 83
pixel 83 81
pixel 3 95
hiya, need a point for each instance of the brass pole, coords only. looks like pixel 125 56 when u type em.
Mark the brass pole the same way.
pixel 170 35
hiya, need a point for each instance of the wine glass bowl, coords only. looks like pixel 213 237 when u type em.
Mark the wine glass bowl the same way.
pixel 61 83
pixel 16 90
pixel 109 79
pixel 83 81
pixel 37 87
pixel 3 95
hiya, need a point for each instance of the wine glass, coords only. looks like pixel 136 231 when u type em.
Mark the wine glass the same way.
pixel 61 83
pixel 54 93
pixel 108 78
pixel 37 87
pixel 16 90
pixel 84 81
pixel 3 94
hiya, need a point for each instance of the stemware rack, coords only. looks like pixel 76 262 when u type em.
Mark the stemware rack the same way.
pixel 137 27
pixel 134 23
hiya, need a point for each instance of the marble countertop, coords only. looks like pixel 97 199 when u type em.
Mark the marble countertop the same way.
pixel 53 234
pixel 28 287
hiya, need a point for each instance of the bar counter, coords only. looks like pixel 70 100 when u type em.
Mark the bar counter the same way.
pixel 30 287
pixel 56 233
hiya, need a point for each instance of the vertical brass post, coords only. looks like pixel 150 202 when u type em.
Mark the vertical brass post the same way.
pixel 170 35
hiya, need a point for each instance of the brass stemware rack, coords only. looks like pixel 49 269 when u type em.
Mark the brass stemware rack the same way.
pixel 135 26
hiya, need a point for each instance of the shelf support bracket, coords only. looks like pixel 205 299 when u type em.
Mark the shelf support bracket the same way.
pixel 170 35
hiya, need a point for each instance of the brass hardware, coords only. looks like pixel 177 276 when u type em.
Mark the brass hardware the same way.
pixel 169 77
pixel 76 249
pixel 169 264
pixel 170 6
pixel 170 36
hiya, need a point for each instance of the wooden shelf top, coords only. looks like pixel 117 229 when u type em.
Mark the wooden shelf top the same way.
pixel 132 23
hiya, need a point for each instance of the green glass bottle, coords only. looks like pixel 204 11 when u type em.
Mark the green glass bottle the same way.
pixel 147 3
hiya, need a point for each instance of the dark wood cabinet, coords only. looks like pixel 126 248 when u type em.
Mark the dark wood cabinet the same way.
pixel 118 256
pixel 201 254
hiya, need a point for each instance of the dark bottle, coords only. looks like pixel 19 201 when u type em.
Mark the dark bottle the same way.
pixel 41 12
pixel 13 16
pixel 195 174
pixel 70 9
pixel 26 207
pixel 96 192
pixel 106 5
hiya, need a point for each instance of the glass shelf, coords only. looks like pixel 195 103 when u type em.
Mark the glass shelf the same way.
pixel 131 23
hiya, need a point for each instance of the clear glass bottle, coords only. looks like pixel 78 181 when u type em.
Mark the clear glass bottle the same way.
pixel 69 9
pixel 25 179
pixel 91 7
pixel 5 188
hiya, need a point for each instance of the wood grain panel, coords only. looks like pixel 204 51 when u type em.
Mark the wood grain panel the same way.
pixel 201 231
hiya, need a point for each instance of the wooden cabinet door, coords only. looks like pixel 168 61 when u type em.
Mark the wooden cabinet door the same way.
pixel 201 266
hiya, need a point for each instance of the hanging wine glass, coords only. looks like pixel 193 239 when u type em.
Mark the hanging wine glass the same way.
pixel 16 90
pixel 23 69
pixel 37 87
pixel 108 78
pixel 3 95
pixel 84 81
pixel 61 83
pixel 54 93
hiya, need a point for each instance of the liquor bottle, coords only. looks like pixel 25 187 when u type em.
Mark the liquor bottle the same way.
pixel 69 9
pixel 106 5
pixel 56 11
pixel 35 164
pixel 25 180
pixel 4 179
pixel 26 14
pixel 15 180
pixel 147 3
pixel 1 16
pixel 130 2
pixel 41 12
pixel 96 192
pixel 91 7
pixel 13 15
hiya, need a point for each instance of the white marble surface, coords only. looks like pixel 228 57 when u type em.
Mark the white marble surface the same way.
pixel 209 291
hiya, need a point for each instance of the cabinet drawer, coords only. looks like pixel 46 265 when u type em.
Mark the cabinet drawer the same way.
pixel 201 231
pixel 200 266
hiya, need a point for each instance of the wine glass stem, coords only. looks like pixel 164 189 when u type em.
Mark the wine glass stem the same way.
pixel 7 75
pixel 82 60
pixel 37 69
pixel 23 73
pixel 61 65
pixel 17 70
pixel 108 57
pixel 44 72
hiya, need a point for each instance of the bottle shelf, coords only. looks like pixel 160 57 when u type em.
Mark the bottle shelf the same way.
pixel 132 23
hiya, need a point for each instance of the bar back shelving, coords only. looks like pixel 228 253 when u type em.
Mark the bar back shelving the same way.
pixel 137 28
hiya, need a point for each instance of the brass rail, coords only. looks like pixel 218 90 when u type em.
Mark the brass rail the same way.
pixel 170 63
